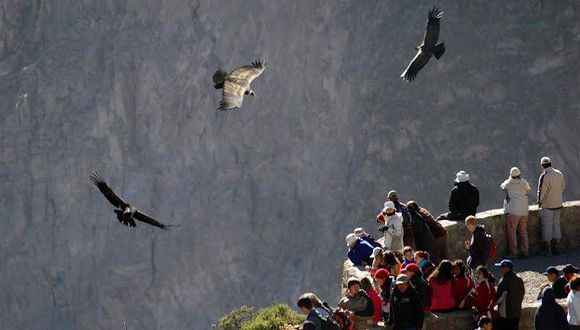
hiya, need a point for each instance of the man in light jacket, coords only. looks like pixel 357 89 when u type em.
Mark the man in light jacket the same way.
pixel 551 186
pixel 516 209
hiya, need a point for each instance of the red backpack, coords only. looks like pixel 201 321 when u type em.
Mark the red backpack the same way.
pixel 341 317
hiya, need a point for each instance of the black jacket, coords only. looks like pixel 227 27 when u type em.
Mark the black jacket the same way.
pixel 424 239
pixel 479 249
pixel 550 315
pixel 512 286
pixel 464 199
pixel 422 289
pixel 406 309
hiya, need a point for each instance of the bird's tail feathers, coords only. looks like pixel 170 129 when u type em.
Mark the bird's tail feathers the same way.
pixel 439 50
pixel 96 177
pixel 219 77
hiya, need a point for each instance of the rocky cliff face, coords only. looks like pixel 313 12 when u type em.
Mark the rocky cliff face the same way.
pixel 265 195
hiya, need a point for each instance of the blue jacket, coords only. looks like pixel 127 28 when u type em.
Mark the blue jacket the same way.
pixel 404 211
pixel 371 240
pixel 361 251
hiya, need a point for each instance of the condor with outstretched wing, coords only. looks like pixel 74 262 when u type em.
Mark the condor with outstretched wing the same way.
pixel 236 84
pixel 126 214
pixel 429 46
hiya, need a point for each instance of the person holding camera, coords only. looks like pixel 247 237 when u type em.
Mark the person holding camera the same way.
pixel 391 226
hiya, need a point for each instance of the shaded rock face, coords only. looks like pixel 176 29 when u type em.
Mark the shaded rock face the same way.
pixel 265 195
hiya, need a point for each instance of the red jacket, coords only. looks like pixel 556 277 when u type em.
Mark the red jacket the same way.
pixel 441 295
pixel 482 297
pixel 461 287
pixel 377 305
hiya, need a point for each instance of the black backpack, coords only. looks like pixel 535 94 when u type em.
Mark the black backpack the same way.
pixel 341 317
pixel 327 323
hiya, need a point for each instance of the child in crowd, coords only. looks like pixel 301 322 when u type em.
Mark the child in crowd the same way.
pixel 550 315
pixel 408 256
pixel 462 283
pixel 482 297
pixel 485 323
pixel 441 288
pixel 422 260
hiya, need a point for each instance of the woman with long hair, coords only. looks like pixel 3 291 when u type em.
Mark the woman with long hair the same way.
pixel 462 282
pixel 441 288
pixel 392 262
pixel 482 297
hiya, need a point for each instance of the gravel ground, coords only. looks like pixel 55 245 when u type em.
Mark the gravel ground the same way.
pixel 531 269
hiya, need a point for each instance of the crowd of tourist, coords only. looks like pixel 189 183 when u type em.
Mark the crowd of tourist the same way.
pixel 411 274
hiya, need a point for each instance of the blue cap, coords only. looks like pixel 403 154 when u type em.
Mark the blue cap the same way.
pixel 505 263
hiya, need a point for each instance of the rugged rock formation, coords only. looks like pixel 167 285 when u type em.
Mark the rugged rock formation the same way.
pixel 264 195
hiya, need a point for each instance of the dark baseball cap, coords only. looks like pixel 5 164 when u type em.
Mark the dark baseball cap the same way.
pixel 570 269
pixel 552 270
pixel 505 263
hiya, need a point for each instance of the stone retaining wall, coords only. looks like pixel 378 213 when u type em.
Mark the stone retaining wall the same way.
pixel 494 221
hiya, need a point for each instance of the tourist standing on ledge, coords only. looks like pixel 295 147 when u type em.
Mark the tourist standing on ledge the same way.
pixel 359 251
pixel 441 249
pixel 408 238
pixel 573 301
pixel 424 239
pixel 464 199
pixel 551 186
pixel 516 208
pixel 550 315
pixel 392 226
pixel 478 246
pixel 510 294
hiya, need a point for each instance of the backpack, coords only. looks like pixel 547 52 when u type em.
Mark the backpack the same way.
pixel 370 311
pixel 492 250
pixel 340 316
pixel 328 323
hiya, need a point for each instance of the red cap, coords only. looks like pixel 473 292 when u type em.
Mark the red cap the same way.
pixel 411 268
pixel 382 273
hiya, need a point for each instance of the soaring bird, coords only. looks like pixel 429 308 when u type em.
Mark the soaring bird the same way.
pixel 429 46
pixel 237 83
pixel 126 214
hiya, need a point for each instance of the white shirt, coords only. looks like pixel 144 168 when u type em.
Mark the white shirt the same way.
pixel 573 301
pixel 517 196
pixel 394 233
